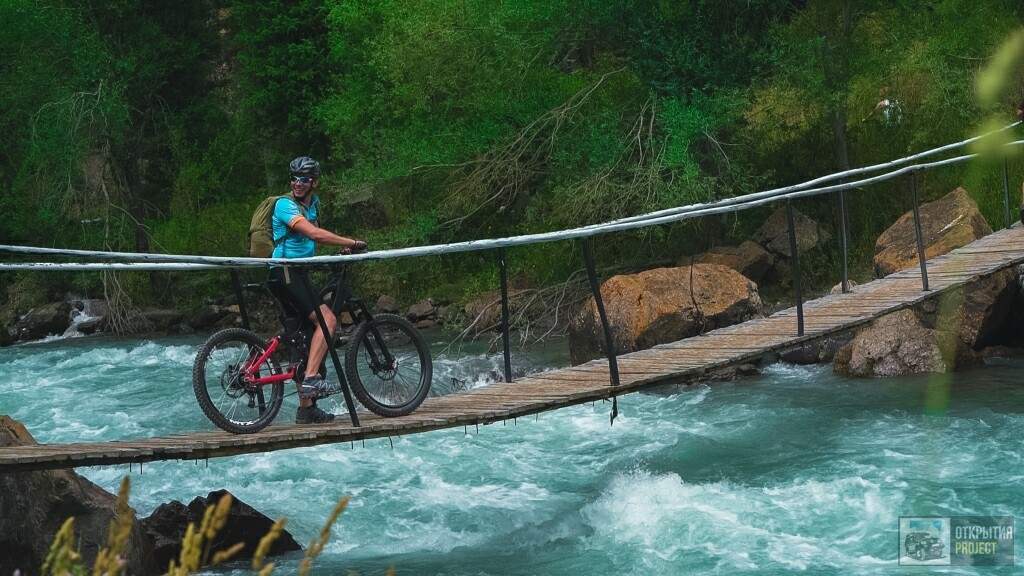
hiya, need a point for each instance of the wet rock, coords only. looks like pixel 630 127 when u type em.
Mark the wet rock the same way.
pixel 898 344
pixel 483 312
pixel 159 320
pixel 838 288
pixel 1002 351
pixel 663 305
pixel 41 321
pixel 422 310
pixel 206 316
pixel 773 235
pixel 977 313
pixel 817 351
pixel 167 524
pixel 425 323
pixel 6 335
pixel 947 223
pixel 35 504
pixel 749 259
pixel 386 304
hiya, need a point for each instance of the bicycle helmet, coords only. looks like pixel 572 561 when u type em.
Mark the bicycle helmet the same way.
pixel 304 166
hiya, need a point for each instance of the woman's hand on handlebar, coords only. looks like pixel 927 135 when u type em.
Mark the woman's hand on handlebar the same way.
pixel 356 248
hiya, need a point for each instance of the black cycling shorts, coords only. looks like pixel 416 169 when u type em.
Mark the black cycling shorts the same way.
pixel 297 291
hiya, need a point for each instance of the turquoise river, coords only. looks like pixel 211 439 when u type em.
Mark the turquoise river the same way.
pixel 792 471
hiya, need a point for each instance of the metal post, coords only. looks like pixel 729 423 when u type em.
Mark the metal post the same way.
pixel 917 233
pixel 1006 189
pixel 609 343
pixel 329 339
pixel 795 254
pixel 842 241
pixel 503 269
pixel 240 297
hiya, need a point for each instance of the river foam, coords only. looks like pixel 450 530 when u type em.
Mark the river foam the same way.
pixel 795 470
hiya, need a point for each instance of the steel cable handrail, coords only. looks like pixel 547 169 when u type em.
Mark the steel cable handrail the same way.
pixel 143 261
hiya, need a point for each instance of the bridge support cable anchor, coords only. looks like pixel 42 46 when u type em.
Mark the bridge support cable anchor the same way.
pixel 795 254
pixel 918 234
pixel 503 270
pixel 609 343
pixel 1006 190
pixel 329 338
pixel 841 197
pixel 243 311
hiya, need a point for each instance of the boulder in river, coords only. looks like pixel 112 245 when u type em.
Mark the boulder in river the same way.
pixel 749 259
pixel 386 304
pixel 34 505
pixel 484 310
pixel 898 344
pixel 167 524
pixel 422 310
pixel 978 312
pixel 41 321
pixel 663 305
pixel 946 224
pixel 774 233
pixel 159 320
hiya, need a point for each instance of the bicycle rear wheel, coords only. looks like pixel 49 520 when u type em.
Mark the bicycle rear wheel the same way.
pixel 388 365
pixel 226 399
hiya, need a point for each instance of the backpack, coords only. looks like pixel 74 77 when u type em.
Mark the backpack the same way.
pixel 261 228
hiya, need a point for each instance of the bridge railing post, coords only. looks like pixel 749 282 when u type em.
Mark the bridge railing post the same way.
pixel 795 254
pixel 841 197
pixel 609 342
pixel 918 235
pixel 503 270
pixel 329 338
pixel 240 297
pixel 1006 190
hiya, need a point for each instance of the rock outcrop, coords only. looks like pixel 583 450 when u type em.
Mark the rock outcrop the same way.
pixel 939 335
pixel 386 304
pixel 663 305
pixel 946 224
pixel 484 311
pixel 167 524
pixel 773 235
pixel 894 345
pixel 749 259
pixel 41 321
pixel 33 505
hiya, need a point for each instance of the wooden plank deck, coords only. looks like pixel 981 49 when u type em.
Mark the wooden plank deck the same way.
pixel 676 361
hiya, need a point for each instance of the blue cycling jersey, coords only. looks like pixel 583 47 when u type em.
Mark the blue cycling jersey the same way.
pixel 295 245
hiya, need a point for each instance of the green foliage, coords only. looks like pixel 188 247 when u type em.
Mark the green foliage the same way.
pixel 165 124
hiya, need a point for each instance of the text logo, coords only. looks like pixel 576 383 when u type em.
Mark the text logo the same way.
pixel 956 540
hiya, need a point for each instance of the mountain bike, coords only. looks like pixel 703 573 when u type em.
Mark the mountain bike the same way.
pixel 239 378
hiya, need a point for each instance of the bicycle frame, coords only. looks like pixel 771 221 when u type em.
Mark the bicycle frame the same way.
pixel 342 300
pixel 250 370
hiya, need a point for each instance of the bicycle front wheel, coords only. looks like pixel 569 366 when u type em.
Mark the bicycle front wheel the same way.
pixel 226 398
pixel 388 365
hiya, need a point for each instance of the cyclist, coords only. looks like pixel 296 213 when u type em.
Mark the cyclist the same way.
pixel 296 234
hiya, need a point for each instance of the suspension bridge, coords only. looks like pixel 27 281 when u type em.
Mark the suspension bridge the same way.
pixel 756 341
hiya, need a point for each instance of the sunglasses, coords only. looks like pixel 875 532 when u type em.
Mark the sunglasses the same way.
pixel 302 179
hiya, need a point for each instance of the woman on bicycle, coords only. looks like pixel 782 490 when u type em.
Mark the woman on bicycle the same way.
pixel 296 234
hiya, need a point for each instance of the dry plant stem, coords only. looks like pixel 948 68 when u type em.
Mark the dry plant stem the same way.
pixel 317 545
pixel 266 542
pixel 500 174
pixel 109 560
pixel 62 557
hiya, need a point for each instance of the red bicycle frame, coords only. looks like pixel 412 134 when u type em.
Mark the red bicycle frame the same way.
pixel 251 369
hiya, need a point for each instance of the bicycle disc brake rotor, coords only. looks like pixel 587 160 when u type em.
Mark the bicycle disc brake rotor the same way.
pixel 231 381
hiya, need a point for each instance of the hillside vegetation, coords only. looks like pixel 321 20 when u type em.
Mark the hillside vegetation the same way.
pixel 159 126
